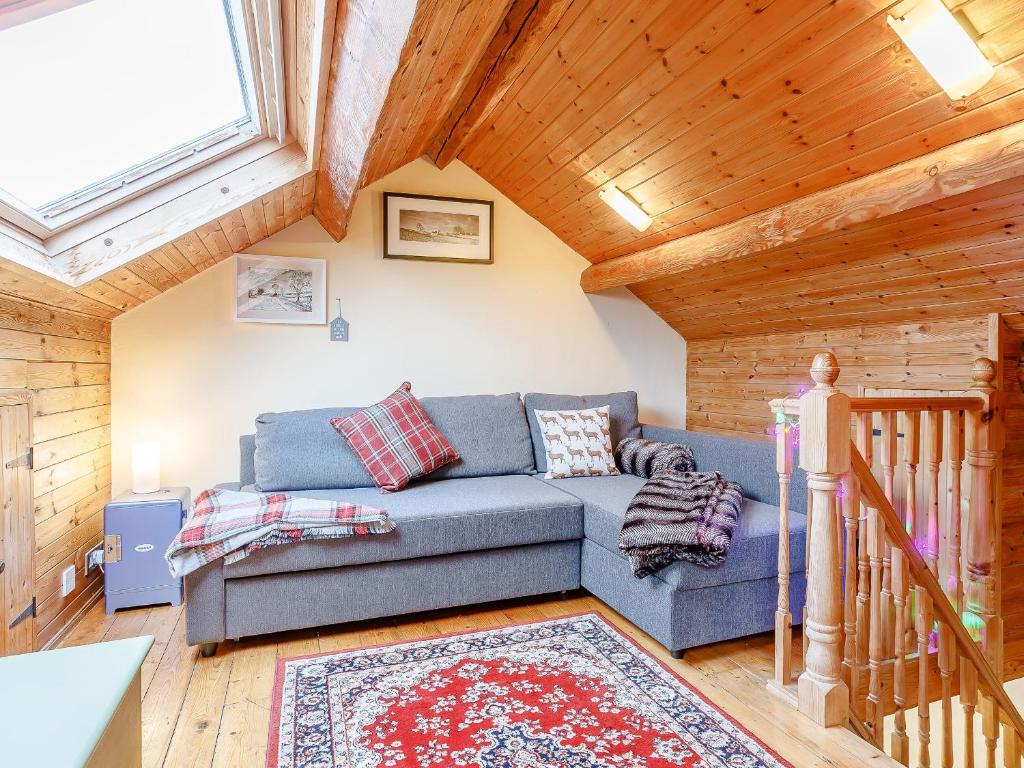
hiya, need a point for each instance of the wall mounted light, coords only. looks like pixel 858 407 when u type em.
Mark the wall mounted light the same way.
pixel 146 467
pixel 626 207
pixel 943 47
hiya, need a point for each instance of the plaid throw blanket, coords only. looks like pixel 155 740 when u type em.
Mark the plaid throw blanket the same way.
pixel 234 524
pixel 680 516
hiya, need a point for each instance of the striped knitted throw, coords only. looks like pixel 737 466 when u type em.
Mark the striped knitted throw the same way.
pixel 646 458
pixel 680 516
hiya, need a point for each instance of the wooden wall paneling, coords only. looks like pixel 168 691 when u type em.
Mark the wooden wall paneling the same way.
pixel 64 359
pixel 17 536
pixel 1010 342
pixel 730 381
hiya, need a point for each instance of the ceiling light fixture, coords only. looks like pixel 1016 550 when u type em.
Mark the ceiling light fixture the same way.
pixel 943 47
pixel 626 207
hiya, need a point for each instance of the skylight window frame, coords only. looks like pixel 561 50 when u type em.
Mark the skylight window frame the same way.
pixel 247 31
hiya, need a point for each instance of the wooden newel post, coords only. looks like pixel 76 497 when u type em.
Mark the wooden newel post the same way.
pixel 825 456
pixel 983 444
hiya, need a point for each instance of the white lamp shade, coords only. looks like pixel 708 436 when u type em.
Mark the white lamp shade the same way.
pixel 146 467
pixel 944 48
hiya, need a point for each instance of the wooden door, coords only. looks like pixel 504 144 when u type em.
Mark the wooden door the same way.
pixel 17 532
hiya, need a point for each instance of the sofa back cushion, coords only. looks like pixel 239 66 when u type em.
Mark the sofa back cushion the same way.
pixel 622 411
pixel 299 450
pixel 751 463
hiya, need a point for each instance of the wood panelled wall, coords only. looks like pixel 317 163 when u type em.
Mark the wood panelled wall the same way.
pixel 64 359
pixel 1011 350
pixel 730 381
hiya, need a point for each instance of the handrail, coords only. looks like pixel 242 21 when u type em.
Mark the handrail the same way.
pixel 875 497
pixel 791 406
pixel 895 404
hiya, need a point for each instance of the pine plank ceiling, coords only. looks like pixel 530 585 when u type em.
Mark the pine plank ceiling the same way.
pixel 705 111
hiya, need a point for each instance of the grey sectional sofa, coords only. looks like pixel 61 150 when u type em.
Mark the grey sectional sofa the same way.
pixel 490 528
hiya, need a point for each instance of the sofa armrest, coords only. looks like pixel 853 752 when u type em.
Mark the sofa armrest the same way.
pixel 664 434
pixel 204 604
pixel 751 463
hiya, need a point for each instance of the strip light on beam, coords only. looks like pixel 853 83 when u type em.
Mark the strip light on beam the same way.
pixel 626 207
pixel 943 47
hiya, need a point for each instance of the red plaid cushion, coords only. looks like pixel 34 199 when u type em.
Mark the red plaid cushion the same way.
pixel 395 440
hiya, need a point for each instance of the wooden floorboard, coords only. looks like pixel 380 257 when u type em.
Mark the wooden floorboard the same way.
pixel 214 713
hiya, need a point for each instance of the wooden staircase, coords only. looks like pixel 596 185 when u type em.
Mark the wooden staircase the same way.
pixel 903 585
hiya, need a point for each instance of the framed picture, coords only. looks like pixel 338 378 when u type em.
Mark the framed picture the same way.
pixel 432 228
pixel 276 289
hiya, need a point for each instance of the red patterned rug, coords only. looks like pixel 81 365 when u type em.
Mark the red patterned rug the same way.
pixel 566 693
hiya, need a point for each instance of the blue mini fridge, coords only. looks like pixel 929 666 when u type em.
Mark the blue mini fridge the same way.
pixel 138 528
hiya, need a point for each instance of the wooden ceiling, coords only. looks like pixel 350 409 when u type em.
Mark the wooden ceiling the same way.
pixel 708 112
pixel 962 256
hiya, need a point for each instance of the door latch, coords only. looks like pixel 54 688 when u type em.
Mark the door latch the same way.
pixel 30 610
pixel 25 460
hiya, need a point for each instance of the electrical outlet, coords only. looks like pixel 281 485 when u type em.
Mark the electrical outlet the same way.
pixel 67 581
pixel 94 559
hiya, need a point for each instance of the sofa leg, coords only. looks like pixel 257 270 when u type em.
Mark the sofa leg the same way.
pixel 207 649
pixel 678 654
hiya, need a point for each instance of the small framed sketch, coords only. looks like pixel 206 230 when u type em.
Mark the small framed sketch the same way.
pixel 431 228
pixel 276 289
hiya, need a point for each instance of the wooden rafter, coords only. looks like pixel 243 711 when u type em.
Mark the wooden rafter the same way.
pixel 971 164
pixel 516 41
pixel 369 41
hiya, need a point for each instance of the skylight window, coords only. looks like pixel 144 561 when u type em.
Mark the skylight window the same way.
pixel 108 97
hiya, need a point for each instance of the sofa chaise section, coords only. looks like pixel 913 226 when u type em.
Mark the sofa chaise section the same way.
pixel 686 605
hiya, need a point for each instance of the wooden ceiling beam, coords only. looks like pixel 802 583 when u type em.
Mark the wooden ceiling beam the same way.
pixel 971 164
pixel 520 35
pixel 370 38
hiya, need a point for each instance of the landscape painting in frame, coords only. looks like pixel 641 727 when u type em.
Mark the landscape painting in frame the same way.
pixel 275 289
pixel 438 228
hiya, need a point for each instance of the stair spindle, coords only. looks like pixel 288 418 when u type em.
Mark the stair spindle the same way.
pixel 850 503
pixel 924 628
pixel 947 664
pixel 889 448
pixel 865 442
pixel 874 713
pixel 929 537
pixel 783 616
pixel 900 743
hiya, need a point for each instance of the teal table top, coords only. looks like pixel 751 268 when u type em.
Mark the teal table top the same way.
pixel 54 705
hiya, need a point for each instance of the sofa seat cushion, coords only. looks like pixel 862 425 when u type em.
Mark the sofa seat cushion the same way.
pixel 434 517
pixel 752 555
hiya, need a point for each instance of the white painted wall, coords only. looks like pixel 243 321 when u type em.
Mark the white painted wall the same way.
pixel 186 374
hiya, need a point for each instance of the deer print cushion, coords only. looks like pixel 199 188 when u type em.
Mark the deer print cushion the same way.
pixel 577 443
